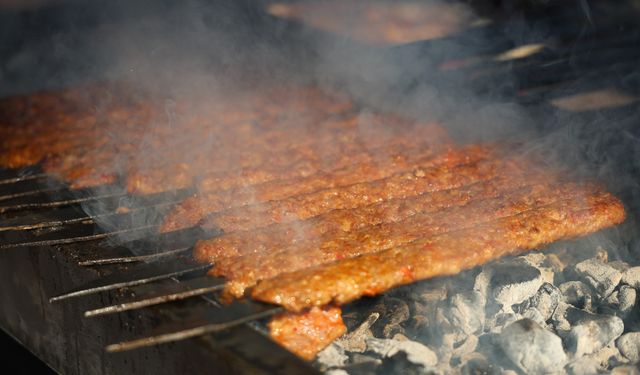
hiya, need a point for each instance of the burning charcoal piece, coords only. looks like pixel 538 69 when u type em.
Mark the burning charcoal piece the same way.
pixel 626 300
pixel 355 341
pixel 397 312
pixel 629 346
pixel 476 364
pixel 531 348
pixel 632 277
pixel 399 364
pixel 332 356
pixel 578 294
pixel 625 370
pixel 466 312
pixel 599 275
pixel 510 283
pixel 589 332
pixel 543 302
pixel 416 352
pixel 620 266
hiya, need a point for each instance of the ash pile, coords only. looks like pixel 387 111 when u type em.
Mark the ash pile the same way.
pixel 544 312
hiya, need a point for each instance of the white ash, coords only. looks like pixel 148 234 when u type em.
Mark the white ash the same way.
pixel 509 283
pixel 625 370
pixel 416 352
pixel 332 356
pixel 627 297
pixel 629 346
pixel 466 312
pixel 632 277
pixel 599 275
pixel 578 294
pixel 590 332
pixel 532 314
pixel 532 348
pixel 542 304
pixel 355 341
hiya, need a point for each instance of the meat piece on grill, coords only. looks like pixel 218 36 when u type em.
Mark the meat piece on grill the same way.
pixel 274 155
pixel 370 274
pixel 306 334
pixel 279 236
pixel 192 210
pixel 243 272
pixel 402 185
pixel 378 22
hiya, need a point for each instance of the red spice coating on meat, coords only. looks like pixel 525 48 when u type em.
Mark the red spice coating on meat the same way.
pixel 305 334
pixel 345 280
pixel 243 272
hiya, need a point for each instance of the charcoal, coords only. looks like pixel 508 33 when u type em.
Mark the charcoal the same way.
pixel 332 356
pixel 629 346
pixel 416 352
pixel 531 348
pixel 625 370
pixel 590 332
pixel 476 364
pixel 336 372
pixel 554 263
pixel 536 316
pixel 466 312
pixel 598 362
pixel 620 266
pixel 501 320
pixel 542 304
pixel 599 275
pixel 355 341
pixel 397 312
pixel 632 277
pixel 465 347
pixel 608 357
pixel 509 283
pixel 583 366
pixel 539 260
pixel 578 294
pixel 627 300
pixel 399 363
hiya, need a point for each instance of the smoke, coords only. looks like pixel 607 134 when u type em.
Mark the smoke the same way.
pixel 198 54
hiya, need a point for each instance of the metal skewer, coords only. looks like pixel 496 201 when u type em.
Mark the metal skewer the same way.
pixel 64 202
pixel 142 274
pixel 29 193
pixel 174 292
pixel 67 239
pixel 29 177
pixel 134 258
pixel 82 218
pixel 196 328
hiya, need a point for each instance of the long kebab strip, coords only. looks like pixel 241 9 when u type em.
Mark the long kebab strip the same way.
pixel 194 209
pixel 244 272
pixel 279 236
pixel 403 185
pixel 327 156
pixel 281 153
pixel 367 275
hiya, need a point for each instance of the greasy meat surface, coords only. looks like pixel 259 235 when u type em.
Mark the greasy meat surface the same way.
pixel 192 210
pixel 379 22
pixel 402 185
pixel 244 272
pixel 305 334
pixel 370 274
pixel 104 133
pixel 279 236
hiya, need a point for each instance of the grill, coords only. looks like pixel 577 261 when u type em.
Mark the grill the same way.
pixel 52 252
